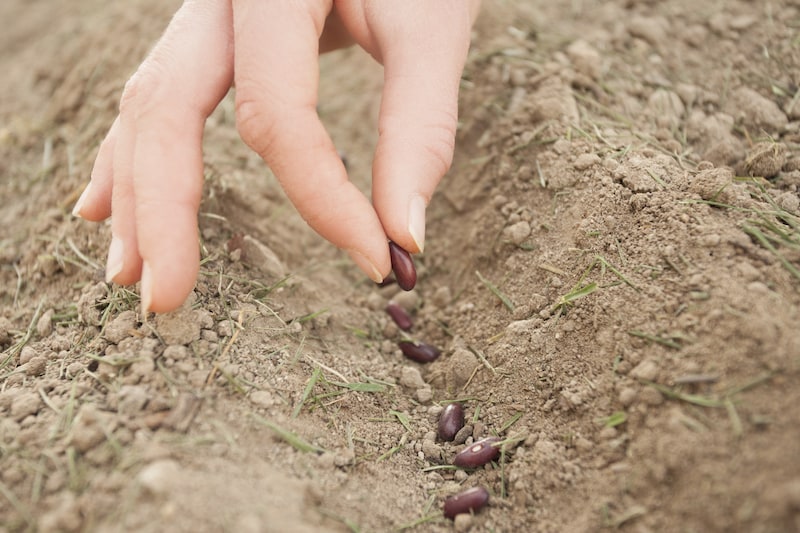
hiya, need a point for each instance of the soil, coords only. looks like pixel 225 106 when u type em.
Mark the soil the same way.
pixel 611 272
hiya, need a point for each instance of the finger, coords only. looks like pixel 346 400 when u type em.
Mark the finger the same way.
pixel 276 96
pixel 124 264
pixel 178 86
pixel 95 201
pixel 424 51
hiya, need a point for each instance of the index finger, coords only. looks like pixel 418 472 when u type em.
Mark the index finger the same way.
pixel 276 71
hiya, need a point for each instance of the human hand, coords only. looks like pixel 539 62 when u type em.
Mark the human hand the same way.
pixel 149 168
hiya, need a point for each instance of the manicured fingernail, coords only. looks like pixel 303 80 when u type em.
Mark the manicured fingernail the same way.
pixel 146 287
pixel 76 211
pixel 115 259
pixel 416 221
pixel 366 265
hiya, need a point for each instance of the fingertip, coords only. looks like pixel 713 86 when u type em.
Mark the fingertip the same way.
pixel 368 266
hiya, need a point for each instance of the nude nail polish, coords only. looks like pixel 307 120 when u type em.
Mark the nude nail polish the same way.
pixel 116 259
pixel 366 265
pixel 416 221
pixel 146 288
pixel 76 211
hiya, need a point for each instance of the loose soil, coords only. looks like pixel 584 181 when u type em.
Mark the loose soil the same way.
pixel 611 272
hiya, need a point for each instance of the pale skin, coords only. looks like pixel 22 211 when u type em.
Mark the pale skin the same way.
pixel 148 174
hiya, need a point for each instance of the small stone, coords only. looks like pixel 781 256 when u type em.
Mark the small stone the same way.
pixel 5 330
pixel 26 354
pixel 517 233
pixel 432 451
pixel 463 434
pixel 89 428
pixel 586 161
pixel 627 396
pixel 462 365
pixel 157 478
pixel 131 399
pixel 757 111
pixel 25 404
pixel 765 159
pixel 424 395
pixel 120 327
pixel 178 327
pixel 262 398
pixel 411 378
pixel 44 326
pixel 463 522
pixel 651 396
pixel 647 370
pixel 36 366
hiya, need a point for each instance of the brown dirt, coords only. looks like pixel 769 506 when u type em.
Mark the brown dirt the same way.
pixel 599 149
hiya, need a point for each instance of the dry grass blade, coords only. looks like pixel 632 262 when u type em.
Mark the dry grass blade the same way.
pixel 290 438
pixel 489 285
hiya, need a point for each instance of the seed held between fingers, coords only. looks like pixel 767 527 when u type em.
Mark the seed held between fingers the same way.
pixel 403 266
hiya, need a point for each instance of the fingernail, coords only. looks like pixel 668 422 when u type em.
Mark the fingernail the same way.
pixel 76 211
pixel 366 265
pixel 146 287
pixel 115 259
pixel 416 221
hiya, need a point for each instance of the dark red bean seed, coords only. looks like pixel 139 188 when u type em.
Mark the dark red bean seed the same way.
pixel 419 351
pixel 478 453
pixel 451 421
pixel 470 501
pixel 403 267
pixel 399 315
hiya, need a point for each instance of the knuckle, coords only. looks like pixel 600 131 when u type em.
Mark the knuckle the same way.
pixel 254 124
pixel 141 92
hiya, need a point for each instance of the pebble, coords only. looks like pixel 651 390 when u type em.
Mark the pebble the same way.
pixel 424 395
pixel 36 366
pixel 586 161
pixel 178 327
pixel 25 404
pixel 517 233
pixel 627 396
pixel 157 477
pixel 647 370
pixel 120 327
pixel 44 326
pixel 26 354
pixel 463 522
pixel 411 378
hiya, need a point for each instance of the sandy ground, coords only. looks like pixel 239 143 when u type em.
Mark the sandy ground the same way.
pixel 611 272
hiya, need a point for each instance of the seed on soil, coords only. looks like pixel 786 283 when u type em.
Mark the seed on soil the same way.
pixel 470 501
pixel 478 453
pixel 403 267
pixel 419 351
pixel 451 421
pixel 399 315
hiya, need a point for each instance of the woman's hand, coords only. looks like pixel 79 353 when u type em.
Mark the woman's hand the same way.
pixel 149 169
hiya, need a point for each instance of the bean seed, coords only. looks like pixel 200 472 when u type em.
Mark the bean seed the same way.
pixel 399 315
pixel 470 501
pixel 403 267
pixel 451 421
pixel 419 351
pixel 478 453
